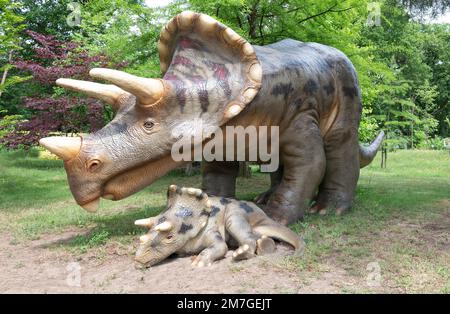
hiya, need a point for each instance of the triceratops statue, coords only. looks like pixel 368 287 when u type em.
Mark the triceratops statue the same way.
pixel 310 91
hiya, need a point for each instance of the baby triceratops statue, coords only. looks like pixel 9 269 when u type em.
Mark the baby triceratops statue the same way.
pixel 195 223
pixel 214 78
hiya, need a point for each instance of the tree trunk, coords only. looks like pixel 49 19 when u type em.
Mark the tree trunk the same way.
pixel 192 168
pixel 5 73
pixel 252 20
pixel 384 154
pixel 244 169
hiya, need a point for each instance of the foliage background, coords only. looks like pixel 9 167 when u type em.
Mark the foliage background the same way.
pixel 402 63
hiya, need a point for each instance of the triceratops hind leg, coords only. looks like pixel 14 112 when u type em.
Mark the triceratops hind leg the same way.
pixel 342 171
pixel 341 145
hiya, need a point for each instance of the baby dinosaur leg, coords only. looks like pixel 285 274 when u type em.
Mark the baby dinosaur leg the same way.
pixel 216 249
pixel 241 231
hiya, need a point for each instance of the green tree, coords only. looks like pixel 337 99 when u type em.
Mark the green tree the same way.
pixel 402 64
pixel 10 28
pixel 436 52
pixel 125 30
pixel 407 93
pixel 47 17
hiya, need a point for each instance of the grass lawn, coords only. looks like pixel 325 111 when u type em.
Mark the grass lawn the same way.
pixel 396 238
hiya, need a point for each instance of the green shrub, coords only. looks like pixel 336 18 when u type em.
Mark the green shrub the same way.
pixel 368 127
pixel 8 122
pixel 432 143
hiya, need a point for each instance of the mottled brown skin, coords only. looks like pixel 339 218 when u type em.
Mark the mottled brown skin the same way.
pixel 207 226
pixel 214 78
pixel 311 92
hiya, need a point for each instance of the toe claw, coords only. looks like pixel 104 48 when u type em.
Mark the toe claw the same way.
pixel 313 210
pixel 340 211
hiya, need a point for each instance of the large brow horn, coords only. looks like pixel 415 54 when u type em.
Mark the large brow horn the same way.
pixel 148 91
pixel 110 94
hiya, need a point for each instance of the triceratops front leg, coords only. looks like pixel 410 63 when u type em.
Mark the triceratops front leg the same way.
pixel 217 249
pixel 303 157
pixel 219 178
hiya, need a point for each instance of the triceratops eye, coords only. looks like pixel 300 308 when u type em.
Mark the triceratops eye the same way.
pixel 148 125
pixel 169 238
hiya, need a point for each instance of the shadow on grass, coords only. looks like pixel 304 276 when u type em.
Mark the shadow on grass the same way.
pixel 109 227
pixel 21 191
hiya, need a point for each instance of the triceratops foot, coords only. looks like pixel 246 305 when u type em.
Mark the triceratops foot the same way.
pixel 323 211
pixel 327 205
pixel 318 209
pixel 245 251
pixel 202 260
pixel 265 245
pixel 331 200
pixel 282 215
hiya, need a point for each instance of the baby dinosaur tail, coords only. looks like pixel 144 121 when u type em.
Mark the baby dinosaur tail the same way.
pixel 277 231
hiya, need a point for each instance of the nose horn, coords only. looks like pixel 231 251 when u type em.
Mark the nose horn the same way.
pixel 65 148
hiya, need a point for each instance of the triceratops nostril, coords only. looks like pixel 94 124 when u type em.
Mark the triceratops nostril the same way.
pixel 94 165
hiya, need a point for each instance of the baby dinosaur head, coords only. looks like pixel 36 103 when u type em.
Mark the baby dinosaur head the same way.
pixel 186 215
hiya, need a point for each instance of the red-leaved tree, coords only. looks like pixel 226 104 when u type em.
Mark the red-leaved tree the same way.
pixel 56 111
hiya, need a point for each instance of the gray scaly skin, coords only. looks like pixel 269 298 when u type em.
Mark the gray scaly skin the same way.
pixel 311 92
pixel 195 223
pixel 214 78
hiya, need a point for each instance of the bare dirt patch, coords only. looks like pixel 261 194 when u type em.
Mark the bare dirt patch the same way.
pixel 428 235
pixel 35 267
pixel 409 252
pixel 40 267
